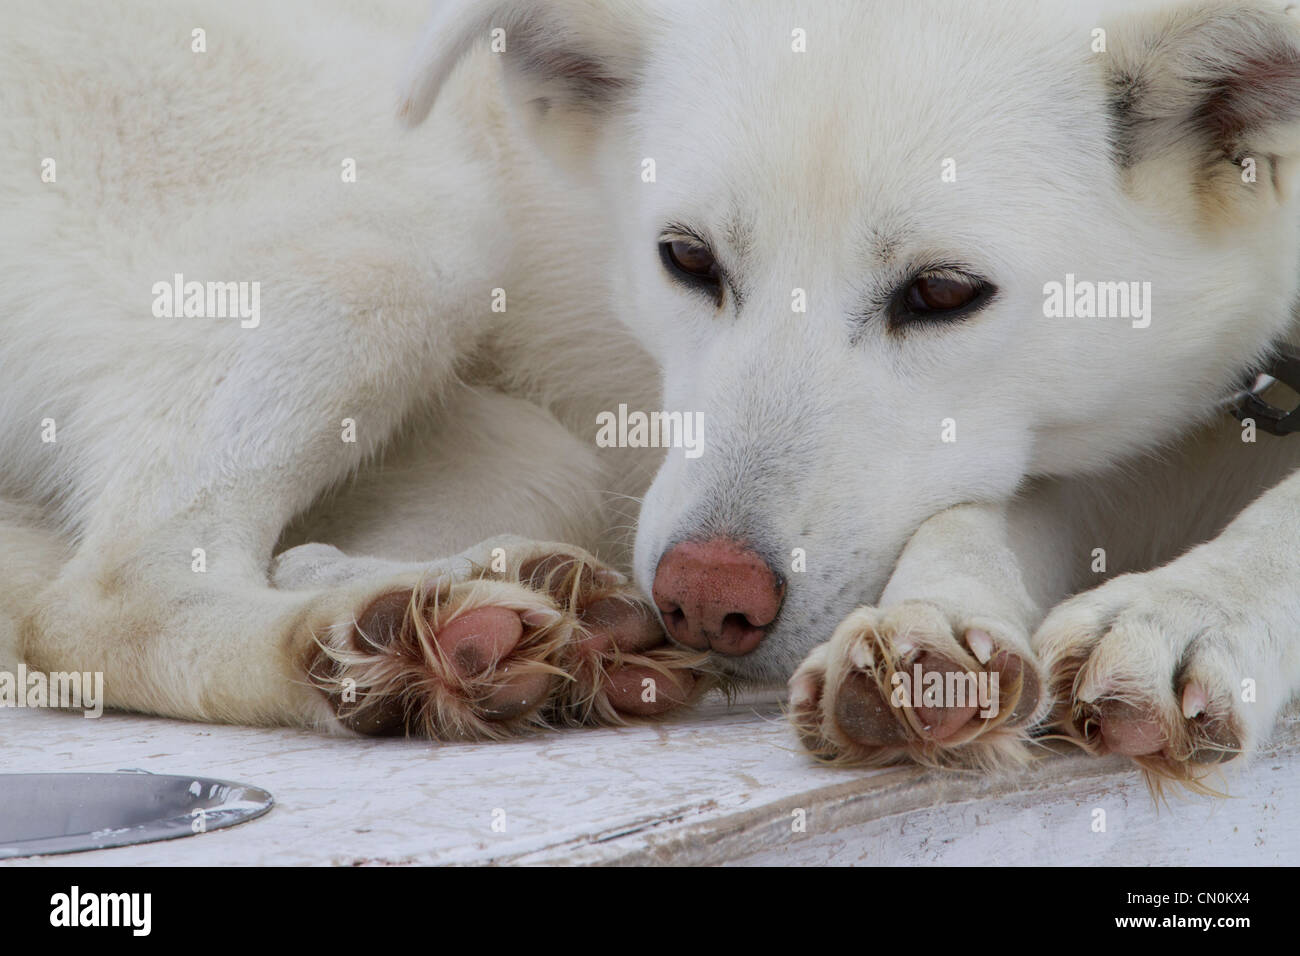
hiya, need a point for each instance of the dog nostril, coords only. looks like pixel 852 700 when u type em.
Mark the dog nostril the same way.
pixel 679 626
pixel 740 621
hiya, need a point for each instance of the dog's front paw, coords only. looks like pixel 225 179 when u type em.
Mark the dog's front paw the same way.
pixel 536 635
pixel 619 662
pixel 447 659
pixel 914 683
pixel 1148 667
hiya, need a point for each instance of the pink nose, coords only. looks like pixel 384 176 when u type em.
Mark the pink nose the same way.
pixel 717 595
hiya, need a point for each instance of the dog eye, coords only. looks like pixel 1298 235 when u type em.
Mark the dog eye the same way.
pixel 693 264
pixel 942 294
pixel 939 296
pixel 691 258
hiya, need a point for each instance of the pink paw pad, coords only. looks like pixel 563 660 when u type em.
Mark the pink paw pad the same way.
pixel 478 643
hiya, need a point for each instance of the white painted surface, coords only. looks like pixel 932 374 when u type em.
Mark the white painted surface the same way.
pixel 716 786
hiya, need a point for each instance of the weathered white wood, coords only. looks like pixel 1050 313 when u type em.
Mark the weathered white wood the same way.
pixel 716 786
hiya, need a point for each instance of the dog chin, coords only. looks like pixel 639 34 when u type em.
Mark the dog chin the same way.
pixel 747 673
pixel 769 666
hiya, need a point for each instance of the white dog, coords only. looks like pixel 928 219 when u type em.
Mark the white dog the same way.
pixel 961 295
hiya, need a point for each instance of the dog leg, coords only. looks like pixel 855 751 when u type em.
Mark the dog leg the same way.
pixel 482 645
pixel 962 603
pixel 1188 665
pixel 511 635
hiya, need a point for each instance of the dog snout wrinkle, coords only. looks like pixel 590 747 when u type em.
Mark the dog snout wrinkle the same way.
pixel 717 595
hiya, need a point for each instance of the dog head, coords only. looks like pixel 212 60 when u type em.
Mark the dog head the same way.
pixel 901 255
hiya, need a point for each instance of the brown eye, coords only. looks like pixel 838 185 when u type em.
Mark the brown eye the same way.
pixel 930 294
pixel 693 259
pixel 692 264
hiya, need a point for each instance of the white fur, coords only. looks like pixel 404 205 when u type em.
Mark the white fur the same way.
pixel 816 171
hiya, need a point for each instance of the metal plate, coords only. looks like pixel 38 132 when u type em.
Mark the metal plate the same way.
pixel 43 813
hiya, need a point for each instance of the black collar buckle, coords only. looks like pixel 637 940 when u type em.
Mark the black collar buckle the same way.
pixel 1284 367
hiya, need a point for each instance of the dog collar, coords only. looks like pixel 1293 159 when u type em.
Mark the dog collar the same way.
pixel 1247 403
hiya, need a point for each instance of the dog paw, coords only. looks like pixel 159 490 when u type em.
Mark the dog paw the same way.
pixel 512 635
pixel 1146 668
pixel 619 662
pixel 447 660
pixel 912 683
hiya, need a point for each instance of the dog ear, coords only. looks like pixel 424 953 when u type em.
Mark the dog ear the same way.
pixel 1213 88
pixel 566 61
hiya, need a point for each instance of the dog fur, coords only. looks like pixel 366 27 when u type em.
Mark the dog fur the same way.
pixel 816 172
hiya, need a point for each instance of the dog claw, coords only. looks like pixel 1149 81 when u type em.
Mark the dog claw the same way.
pixel 980 644
pixel 1195 700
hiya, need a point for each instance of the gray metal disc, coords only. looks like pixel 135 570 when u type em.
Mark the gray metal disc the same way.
pixel 43 813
